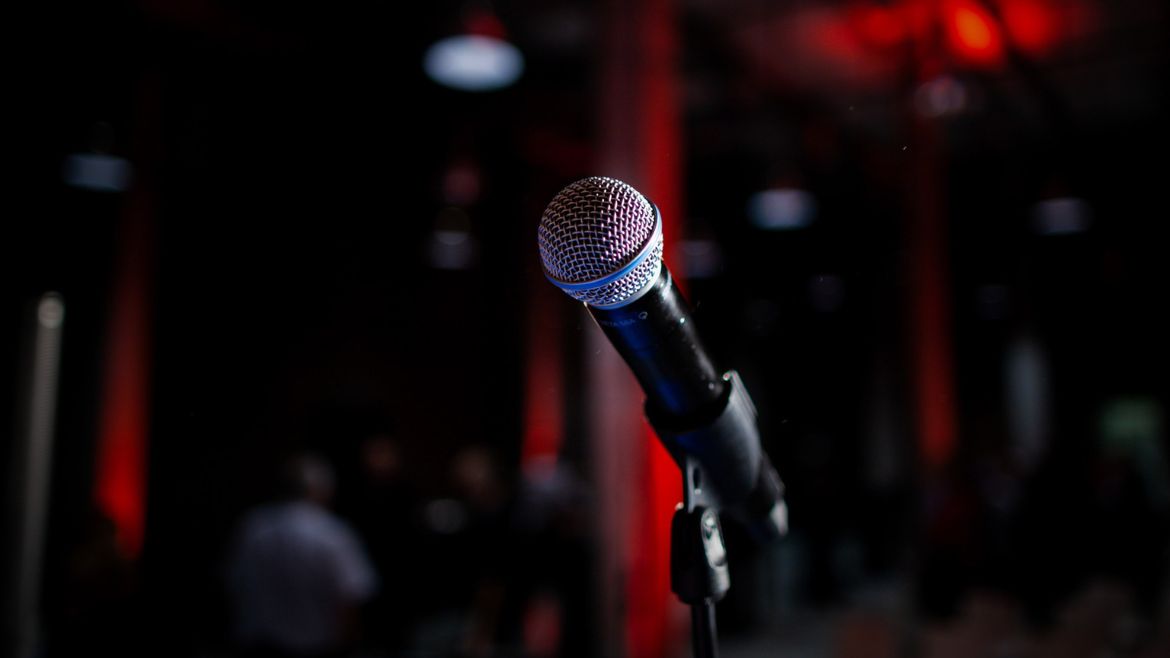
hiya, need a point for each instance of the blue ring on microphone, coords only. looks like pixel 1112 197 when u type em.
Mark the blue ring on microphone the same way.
pixel 655 237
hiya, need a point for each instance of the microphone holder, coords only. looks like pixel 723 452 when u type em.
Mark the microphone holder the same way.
pixel 698 558
pixel 728 444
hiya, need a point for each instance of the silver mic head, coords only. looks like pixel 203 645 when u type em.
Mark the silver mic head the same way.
pixel 601 242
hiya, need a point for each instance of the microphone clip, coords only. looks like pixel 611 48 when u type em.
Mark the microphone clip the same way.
pixel 724 466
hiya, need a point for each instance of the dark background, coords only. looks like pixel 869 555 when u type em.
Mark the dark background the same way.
pixel 296 155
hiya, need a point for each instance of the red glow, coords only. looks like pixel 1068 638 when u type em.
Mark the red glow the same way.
pixel 878 25
pixel 485 24
pixel 1030 24
pixel 930 305
pixel 973 30
pixel 651 628
pixel 543 405
pixel 120 480
pixel 974 34
pixel 936 404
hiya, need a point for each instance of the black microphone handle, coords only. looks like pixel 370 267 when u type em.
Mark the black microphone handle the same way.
pixel 729 451
pixel 694 408
pixel 658 340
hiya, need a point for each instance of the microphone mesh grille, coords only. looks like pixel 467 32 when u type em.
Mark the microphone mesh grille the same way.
pixel 592 229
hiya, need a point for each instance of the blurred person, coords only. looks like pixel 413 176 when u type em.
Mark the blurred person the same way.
pixel 952 548
pixel 468 546
pixel 1131 499
pixel 94 600
pixel 298 574
pixel 485 547
pixel 528 546
pixel 383 507
pixel 547 605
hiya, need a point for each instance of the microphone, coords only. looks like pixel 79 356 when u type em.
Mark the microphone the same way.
pixel 601 242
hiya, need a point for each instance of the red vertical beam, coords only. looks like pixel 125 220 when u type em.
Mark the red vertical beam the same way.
pixel 653 624
pixel 928 270
pixel 120 478
pixel 120 483
pixel 640 144
pixel 660 115
pixel 544 372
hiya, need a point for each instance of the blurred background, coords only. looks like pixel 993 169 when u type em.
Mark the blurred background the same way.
pixel 280 374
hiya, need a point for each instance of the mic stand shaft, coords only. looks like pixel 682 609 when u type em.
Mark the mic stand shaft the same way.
pixel 703 638
pixel 698 559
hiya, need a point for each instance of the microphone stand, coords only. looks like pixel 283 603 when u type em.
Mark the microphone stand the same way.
pixel 728 443
pixel 698 559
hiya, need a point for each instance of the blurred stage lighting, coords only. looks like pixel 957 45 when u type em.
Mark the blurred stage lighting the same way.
pixel 452 245
pixel 473 62
pixel 941 96
pixel 445 516
pixel 781 209
pixel 974 34
pixel 1061 216
pixel 701 259
pixel 97 171
pixel 826 292
pixel 452 250
pixel 993 302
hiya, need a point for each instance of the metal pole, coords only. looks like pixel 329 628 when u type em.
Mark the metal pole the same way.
pixel 33 468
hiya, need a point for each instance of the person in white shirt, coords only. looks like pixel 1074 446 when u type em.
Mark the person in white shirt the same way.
pixel 298 574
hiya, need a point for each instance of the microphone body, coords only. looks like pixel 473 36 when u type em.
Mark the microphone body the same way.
pixel 695 409
pixel 657 339
pixel 601 242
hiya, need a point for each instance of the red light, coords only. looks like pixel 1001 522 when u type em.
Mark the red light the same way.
pixel 544 412
pixel 1030 24
pixel 880 26
pixel 121 459
pixel 974 34
pixel 485 24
